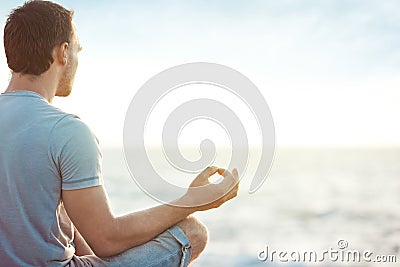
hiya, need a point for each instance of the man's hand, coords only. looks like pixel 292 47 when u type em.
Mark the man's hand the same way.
pixel 204 195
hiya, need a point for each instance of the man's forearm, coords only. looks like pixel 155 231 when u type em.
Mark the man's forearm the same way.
pixel 139 227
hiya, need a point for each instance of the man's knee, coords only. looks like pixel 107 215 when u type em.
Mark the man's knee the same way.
pixel 197 234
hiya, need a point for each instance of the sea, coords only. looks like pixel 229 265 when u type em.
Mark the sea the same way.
pixel 319 206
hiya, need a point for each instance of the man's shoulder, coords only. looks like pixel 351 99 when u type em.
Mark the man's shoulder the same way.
pixel 59 121
pixel 70 126
pixel 71 140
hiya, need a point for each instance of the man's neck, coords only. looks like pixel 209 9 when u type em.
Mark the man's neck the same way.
pixel 39 84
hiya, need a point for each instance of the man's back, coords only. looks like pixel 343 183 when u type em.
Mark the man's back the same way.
pixel 37 160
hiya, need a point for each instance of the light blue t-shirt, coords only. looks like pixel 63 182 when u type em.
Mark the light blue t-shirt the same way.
pixel 43 151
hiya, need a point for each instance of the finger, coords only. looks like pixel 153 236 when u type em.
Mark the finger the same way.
pixel 233 193
pixel 229 175
pixel 235 175
pixel 235 172
pixel 229 180
pixel 202 178
pixel 221 171
pixel 234 189
pixel 209 171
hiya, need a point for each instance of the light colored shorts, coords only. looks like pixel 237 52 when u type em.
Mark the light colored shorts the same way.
pixel 169 249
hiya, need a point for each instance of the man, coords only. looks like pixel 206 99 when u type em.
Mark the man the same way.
pixel 53 207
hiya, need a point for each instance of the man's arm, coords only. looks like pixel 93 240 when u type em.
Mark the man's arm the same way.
pixel 108 235
pixel 81 247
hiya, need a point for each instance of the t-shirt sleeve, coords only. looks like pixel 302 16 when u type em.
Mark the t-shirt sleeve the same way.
pixel 76 154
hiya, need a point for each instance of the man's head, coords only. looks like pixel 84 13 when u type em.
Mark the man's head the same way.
pixel 37 34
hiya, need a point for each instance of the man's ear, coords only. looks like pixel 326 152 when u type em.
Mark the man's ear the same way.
pixel 62 53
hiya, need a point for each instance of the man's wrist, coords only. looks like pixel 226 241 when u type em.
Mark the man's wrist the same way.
pixel 186 203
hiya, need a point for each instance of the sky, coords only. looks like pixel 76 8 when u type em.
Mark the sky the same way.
pixel 329 70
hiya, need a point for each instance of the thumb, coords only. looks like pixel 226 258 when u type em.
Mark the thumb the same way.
pixel 235 175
